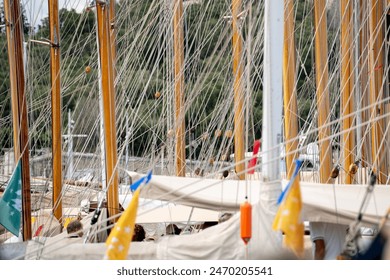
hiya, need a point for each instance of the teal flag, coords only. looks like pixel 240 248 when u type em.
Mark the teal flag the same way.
pixel 11 203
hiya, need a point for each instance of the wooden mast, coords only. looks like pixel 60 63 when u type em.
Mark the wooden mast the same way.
pixel 376 87
pixel 289 90
pixel 13 77
pixel 178 48
pixel 347 87
pixel 238 93
pixel 14 22
pixel 108 97
pixel 321 64
pixel 56 108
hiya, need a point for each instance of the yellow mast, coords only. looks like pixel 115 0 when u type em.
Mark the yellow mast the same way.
pixel 376 87
pixel 14 21
pixel 347 87
pixel 108 97
pixel 179 87
pixel 13 81
pixel 289 90
pixel 56 108
pixel 321 63
pixel 238 93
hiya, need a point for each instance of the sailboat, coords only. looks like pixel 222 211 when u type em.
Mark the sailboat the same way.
pixel 323 198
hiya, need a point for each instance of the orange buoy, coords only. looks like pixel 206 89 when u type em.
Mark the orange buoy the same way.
pixel 218 133
pixel 246 221
pixel 157 95
pixel 211 161
pixel 87 69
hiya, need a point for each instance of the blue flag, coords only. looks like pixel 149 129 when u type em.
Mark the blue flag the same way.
pixel 298 164
pixel 11 202
pixel 143 180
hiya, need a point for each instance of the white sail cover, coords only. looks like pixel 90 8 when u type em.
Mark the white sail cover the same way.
pixel 211 194
pixel 342 203
pixel 335 203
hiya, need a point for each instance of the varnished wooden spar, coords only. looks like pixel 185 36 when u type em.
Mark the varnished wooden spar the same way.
pixel 289 90
pixel 347 85
pixel 238 93
pixel 178 49
pixel 56 108
pixel 13 78
pixel 13 18
pixel 321 63
pixel 108 97
pixel 376 63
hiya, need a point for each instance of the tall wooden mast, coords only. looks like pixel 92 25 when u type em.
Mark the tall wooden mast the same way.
pixel 321 63
pixel 376 87
pixel 347 104
pixel 14 23
pixel 178 48
pixel 289 89
pixel 56 107
pixel 108 97
pixel 238 93
pixel 9 18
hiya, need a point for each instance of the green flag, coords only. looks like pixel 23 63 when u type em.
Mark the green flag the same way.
pixel 11 203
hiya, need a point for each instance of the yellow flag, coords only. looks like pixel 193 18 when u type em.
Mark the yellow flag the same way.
pixel 118 242
pixel 288 219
